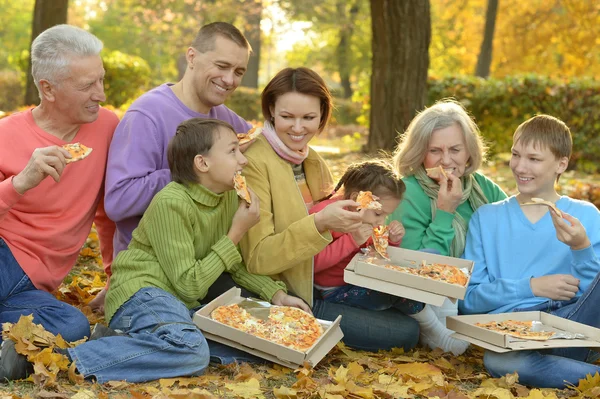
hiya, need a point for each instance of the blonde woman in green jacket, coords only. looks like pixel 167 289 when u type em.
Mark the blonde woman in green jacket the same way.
pixel 289 177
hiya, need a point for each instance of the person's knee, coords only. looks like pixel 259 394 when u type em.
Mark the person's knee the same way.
pixel 190 345
pixel 500 364
pixel 77 326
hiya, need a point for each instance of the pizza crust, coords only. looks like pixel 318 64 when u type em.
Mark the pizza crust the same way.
pixel 78 152
pixel 251 135
pixel 239 183
pixel 436 173
pixel 540 201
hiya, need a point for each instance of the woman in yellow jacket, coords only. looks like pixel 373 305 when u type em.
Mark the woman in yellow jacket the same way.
pixel 289 177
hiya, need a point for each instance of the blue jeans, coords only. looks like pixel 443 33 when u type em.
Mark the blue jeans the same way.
pixel 365 298
pixel 553 368
pixel 18 297
pixel 161 342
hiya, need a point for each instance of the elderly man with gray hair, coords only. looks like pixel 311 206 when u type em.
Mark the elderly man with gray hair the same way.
pixel 48 202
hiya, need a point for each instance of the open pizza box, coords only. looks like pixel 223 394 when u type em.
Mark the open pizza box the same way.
pixel 394 282
pixel 261 347
pixel 465 329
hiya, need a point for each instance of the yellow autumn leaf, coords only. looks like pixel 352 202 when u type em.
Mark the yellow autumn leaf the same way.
pixel 355 369
pixel 248 389
pixel 195 393
pixel 538 394
pixel 588 382
pixel 84 394
pixel 285 393
pixel 363 392
pixel 341 375
pixel 487 392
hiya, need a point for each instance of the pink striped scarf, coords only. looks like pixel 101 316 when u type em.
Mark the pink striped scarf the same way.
pixel 293 156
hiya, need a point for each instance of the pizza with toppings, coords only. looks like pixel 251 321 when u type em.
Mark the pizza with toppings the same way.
pixel 78 151
pixel 368 201
pixel 251 135
pixel 380 240
pixel 239 183
pixel 288 326
pixel 517 328
pixel 435 271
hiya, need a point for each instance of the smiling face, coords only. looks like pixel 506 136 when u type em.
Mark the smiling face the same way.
pixel 535 170
pixel 218 72
pixel 77 98
pixel 296 119
pixel 222 162
pixel 448 149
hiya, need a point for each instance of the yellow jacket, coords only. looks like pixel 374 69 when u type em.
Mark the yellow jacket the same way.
pixel 282 244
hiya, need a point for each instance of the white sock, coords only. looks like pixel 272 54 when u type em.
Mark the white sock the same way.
pixel 435 335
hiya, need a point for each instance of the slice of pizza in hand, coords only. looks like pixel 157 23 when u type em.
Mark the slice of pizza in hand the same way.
pixel 380 240
pixel 239 183
pixel 78 151
pixel 368 201
pixel 251 135
pixel 540 201
pixel 436 173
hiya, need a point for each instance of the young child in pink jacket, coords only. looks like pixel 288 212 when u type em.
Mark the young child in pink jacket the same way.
pixel 379 178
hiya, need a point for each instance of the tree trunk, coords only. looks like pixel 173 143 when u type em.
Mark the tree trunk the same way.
pixel 343 49
pixel 46 14
pixel 484 61
pixel 253 17
pixel 401 37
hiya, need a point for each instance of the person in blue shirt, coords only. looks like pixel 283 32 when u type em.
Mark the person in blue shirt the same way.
pixel 529 257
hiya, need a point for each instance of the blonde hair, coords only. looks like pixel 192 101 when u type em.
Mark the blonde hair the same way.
pixel 413 145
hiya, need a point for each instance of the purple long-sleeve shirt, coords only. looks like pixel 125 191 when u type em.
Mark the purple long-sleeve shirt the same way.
pixel 137 161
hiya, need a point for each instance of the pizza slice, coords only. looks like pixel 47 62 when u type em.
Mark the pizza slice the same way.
pixel 367 200
pixel 540 201
pixel 251 135
pixel 380 240
pixel 518 329
pixel 437 172
pixel 78 151
pixel 239 183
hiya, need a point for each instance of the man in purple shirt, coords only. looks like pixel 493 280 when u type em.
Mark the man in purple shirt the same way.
pixel 137 162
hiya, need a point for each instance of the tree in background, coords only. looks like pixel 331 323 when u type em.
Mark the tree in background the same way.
pixel 46 14
pixel 484 60
pixel 401 37
pixel 251 28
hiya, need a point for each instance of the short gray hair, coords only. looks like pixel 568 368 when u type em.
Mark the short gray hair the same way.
pixel 414 144
pixel 53 49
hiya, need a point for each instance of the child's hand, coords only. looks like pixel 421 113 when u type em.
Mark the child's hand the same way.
pixel 558 287
pixel 282 299
pixel 570 231
pixel 362 234
pixel 245 217
pixel 396 230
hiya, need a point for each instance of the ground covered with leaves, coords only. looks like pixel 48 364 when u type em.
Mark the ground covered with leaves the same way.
pixel 343 373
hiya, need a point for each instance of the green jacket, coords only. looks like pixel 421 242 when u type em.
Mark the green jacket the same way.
pixel 181 246
pixel 415 214
pixel 285 239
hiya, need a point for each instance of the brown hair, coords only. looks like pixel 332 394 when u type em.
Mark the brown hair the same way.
pixel 301 80
pixel 206 37
pixel 546 131
pixel 193 137
pixel 376 176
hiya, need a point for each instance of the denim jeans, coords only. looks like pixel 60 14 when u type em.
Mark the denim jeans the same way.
pixel 18 297
pixel 365 298
pixel 161 342
pixel 553 368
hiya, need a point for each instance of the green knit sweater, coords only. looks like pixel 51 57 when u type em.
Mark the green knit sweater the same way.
pixel 415 214
pixel 181 246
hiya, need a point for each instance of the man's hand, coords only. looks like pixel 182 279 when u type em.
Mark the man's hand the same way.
pixel 450 193
pixel 245 217
pixel 334 217
pixel 570 231
pixel 47 161
pixel 362 234
pixel 396 230
pixel 97 304
pixel 559 287
pixel 282 299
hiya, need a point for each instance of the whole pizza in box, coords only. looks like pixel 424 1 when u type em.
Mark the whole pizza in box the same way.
pixel 288 326
pixel 435 271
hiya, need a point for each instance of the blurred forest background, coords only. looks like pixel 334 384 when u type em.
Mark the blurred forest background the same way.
pixel 505 60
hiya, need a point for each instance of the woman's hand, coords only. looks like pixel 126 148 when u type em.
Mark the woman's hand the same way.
pixel 558 287
pixel 362 234
pixel 282 299
pixel 334 217
pixel 570 230
pixel 245 217
pixel 450 193
pixel 396 230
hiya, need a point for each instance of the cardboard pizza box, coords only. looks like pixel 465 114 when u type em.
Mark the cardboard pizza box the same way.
pixel 498 342
pixel 405 285
pixel 261 347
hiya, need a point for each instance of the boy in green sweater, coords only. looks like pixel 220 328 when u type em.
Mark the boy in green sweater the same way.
pixel 185 240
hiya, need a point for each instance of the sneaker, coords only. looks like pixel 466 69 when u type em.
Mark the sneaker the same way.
pixel 13 366
pixel 101 331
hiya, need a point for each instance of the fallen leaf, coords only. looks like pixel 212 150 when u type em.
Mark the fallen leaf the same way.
pixel 248 389
pixel 285 393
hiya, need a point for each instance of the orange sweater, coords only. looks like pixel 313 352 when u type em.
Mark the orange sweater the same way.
pixel 46 227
